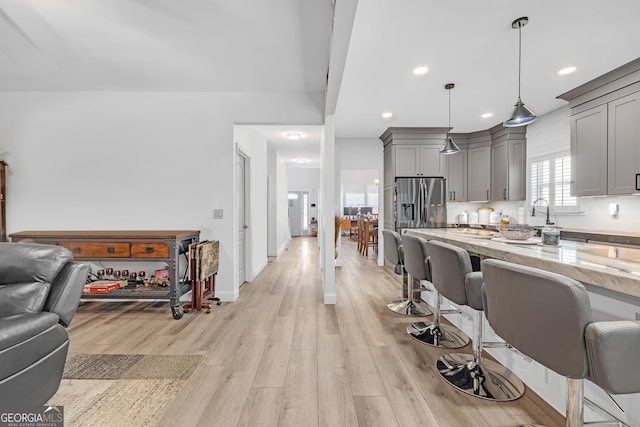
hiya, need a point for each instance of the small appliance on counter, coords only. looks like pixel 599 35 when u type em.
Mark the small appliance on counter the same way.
pixel 483 215
pixel 494 218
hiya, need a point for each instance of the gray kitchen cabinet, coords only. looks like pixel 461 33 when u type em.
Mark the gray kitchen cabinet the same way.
pixel 410 152
pixel 456 167
pixel 389 181
pixel 418 160
pixel 589 152
pixel 478 173
pixel 605 133
pixel 508 170
pixel 623 145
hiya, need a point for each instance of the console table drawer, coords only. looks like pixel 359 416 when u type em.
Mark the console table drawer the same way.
pixel 98 249
pixel 149 250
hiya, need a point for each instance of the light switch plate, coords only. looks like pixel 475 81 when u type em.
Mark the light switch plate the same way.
pixel 217 214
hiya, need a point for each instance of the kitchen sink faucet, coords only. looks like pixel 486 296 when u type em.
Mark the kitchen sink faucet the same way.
pixel 533 210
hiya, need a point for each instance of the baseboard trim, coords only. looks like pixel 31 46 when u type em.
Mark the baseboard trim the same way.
pixel 330 298
pixel 228 296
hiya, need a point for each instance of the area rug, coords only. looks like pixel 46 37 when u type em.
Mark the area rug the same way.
pixel 130 366
pixel 121 389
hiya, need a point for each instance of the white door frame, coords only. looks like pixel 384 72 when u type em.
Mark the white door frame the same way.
pixel 243 208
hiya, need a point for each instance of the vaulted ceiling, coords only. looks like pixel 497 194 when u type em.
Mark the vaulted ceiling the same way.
pixel 283 45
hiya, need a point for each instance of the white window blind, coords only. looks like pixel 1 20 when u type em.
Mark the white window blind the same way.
pixel 550 178
pixel 562 180
pixel 360 195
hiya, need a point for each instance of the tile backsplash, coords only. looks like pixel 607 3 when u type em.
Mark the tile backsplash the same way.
pixel 596 216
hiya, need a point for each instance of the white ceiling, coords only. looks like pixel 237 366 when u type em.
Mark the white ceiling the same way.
pixel 292 151
pixel 283 45
pixel 471 43
pixel 164 45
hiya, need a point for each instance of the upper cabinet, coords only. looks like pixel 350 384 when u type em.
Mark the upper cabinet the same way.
pixel 456 172
pixel 589 152
pixel 479 173
pixel 508 163
pixel 605 133
pixel 623 139
pixel 414 152
pixel 418 160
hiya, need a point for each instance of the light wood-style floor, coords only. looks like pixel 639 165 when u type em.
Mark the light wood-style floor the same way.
pixel 279 357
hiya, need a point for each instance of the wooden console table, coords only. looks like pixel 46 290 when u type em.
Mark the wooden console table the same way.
pixel 126 246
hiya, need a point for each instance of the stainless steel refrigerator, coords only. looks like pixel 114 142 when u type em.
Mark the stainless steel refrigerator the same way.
pixel 420 203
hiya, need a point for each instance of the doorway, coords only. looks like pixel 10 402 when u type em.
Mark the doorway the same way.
pixel 298 213
pixel 241 201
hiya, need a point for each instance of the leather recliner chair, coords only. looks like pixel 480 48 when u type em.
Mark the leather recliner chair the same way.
pixel 40 288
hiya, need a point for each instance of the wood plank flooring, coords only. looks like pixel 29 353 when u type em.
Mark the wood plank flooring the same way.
pixel 279 357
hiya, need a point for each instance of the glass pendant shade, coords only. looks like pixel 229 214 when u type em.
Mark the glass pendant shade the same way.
pixel 521 116
pixel 450 147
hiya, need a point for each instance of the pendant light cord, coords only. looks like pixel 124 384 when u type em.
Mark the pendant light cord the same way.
pixel 449 112
pixel 519 56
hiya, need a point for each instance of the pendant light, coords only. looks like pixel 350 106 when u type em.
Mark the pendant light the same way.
pixel 521 115
pixel 450 147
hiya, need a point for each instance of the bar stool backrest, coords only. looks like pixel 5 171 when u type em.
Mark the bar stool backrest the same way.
pixel 416 256
pixel 542 314
pixel 392 247
pixel 449 266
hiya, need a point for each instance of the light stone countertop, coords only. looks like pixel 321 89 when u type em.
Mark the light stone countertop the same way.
pixel 603 266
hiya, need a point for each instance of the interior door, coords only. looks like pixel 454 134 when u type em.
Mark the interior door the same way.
pixel 295 213
pixel 242 223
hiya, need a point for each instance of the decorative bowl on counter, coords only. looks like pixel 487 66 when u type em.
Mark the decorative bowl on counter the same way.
pixel 517 232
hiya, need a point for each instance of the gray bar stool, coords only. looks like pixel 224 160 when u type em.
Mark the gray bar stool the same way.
pixel 471 374
pixel 564 339
pixel 393 252
pixel 416 262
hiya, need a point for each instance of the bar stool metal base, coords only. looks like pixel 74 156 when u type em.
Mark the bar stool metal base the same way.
pixel 442 336
pixel 486 379
pixel 409 308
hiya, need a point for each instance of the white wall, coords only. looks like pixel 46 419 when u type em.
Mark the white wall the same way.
pixel 280 202
pixel 111 161
pixel 252 144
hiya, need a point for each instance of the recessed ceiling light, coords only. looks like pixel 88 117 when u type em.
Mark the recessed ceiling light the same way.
pixel 294 135
pixel 387 115
pixel 420 71
pixel 567 70
pixel 486 115
pixel 301 161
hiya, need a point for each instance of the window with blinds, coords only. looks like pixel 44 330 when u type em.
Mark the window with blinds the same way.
pixel 358 195
pixel 550 178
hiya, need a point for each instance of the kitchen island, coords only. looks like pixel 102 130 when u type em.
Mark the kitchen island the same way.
pixel 611 276
pixel 602 266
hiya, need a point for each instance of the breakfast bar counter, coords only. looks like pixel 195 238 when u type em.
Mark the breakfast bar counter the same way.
pixel 602 266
